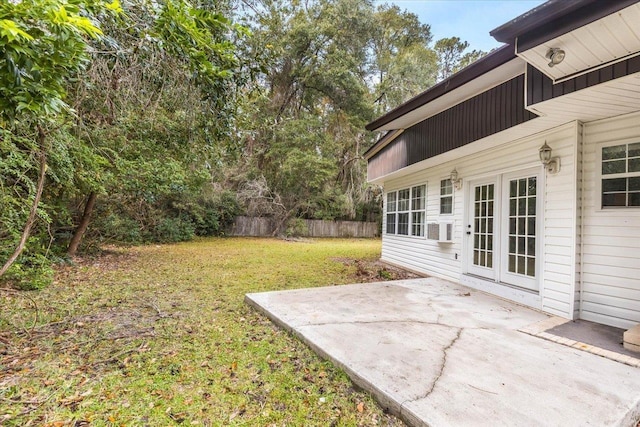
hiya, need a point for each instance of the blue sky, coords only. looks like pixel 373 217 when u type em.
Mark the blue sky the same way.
pixel 471 20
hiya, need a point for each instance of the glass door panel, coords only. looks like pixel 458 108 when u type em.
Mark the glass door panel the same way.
pixel 481 229
pixel 520 231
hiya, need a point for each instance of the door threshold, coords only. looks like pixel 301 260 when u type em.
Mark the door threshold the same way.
pixel 513 293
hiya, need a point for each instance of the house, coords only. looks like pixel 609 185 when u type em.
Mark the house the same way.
pixel 520 174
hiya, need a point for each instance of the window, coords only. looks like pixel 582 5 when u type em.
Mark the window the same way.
pixel 391 213
pixel 621 175
pixel 406 211
pixel 403 212
pixel 446 197
pixel 417 210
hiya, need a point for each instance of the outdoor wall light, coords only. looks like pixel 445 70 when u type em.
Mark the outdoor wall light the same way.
pixel 457 182
pixel 551 164
pixel 555 56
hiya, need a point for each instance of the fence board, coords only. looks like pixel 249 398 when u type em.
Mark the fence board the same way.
pixel 262 227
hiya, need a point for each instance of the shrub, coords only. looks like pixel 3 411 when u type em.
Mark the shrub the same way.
pixel 296 227
pixel 171 230
pixel 30 272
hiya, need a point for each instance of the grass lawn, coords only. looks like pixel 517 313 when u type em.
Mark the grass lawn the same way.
pixel 160 335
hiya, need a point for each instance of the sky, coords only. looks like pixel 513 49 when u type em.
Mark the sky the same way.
pixel 471 20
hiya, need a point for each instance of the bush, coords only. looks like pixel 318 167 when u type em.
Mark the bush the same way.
pixel 31 271
pixel 171 230
pixel 117 227
pixel 213 214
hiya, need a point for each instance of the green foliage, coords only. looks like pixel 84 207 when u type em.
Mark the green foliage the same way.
pixel 296 227
pixel 171 230
pixel 32 271
pixel 32 79
pixel 452 57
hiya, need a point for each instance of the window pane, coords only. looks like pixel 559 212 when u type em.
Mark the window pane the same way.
pixel 531 246
pixel 615 152
pixel 533 181
pixel 391 223
pixel 614 199
pixel 522 187
pixel 403 224
pixel 403 200
pixel 512 244
pixel 521 225
pixel 391 202
pixel 531 226
pixel 513 203
pixel 446 205
pixel 446 187
pixel 417 198
pixel 634 165
pixel 615 166
pixel 512 263
pixel 521 264
pixel 513 188
pixel 609 185
pixel 490 208
pixel 634 184
pixel 417 224
pixel 531 267
pixel 634 199
pixel 634 149
pixel 522 206
pixel 531 207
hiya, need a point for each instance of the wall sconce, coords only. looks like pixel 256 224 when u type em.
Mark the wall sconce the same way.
pixel 457 182
pixel 555 56
pixel 551 164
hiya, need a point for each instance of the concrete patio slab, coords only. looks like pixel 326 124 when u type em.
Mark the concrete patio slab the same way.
pixel 439 354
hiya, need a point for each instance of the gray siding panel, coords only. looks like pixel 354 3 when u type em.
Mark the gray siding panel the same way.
pixel 485 114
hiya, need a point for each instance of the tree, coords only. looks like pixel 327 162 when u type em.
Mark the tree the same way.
pixel 451 56
pixel 172 75
pixel 403 63
pixel 32 93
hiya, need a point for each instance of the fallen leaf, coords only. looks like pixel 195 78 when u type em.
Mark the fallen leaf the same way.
pixel 360 407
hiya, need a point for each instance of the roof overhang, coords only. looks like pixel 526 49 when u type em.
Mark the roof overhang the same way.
pixel 423 105
pixel 602 42
pixel 554 18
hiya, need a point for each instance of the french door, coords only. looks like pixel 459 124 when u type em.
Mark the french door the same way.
pixel 503 228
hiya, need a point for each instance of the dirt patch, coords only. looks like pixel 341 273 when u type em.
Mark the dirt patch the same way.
pixel 375 270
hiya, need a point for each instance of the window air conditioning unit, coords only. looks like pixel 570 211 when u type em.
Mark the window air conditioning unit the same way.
pixel 440 231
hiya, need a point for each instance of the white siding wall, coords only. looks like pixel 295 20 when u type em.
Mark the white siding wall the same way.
pixel 611 237
pixel 558 288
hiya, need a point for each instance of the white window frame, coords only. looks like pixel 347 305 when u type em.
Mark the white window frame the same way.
pixel 447 195
pixel 600 176
pixel 414 230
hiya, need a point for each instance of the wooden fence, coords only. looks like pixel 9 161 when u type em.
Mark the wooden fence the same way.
pixel 262 227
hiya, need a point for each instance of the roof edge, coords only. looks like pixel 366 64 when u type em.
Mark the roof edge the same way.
pixel 485 64
pixel 554 18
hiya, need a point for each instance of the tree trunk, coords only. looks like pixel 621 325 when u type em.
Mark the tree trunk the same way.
pixel 82 227
pixel 33 213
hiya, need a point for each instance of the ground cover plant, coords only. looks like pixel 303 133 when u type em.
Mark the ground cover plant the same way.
pixel 160 335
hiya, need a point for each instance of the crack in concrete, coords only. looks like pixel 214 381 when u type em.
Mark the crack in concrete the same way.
pixel 439 375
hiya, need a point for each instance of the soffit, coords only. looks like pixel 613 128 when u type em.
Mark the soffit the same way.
pixel 602 42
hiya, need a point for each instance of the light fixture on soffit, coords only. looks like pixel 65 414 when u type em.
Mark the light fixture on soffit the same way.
pixel 555 55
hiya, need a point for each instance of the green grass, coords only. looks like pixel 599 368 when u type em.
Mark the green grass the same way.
pixel 160 335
